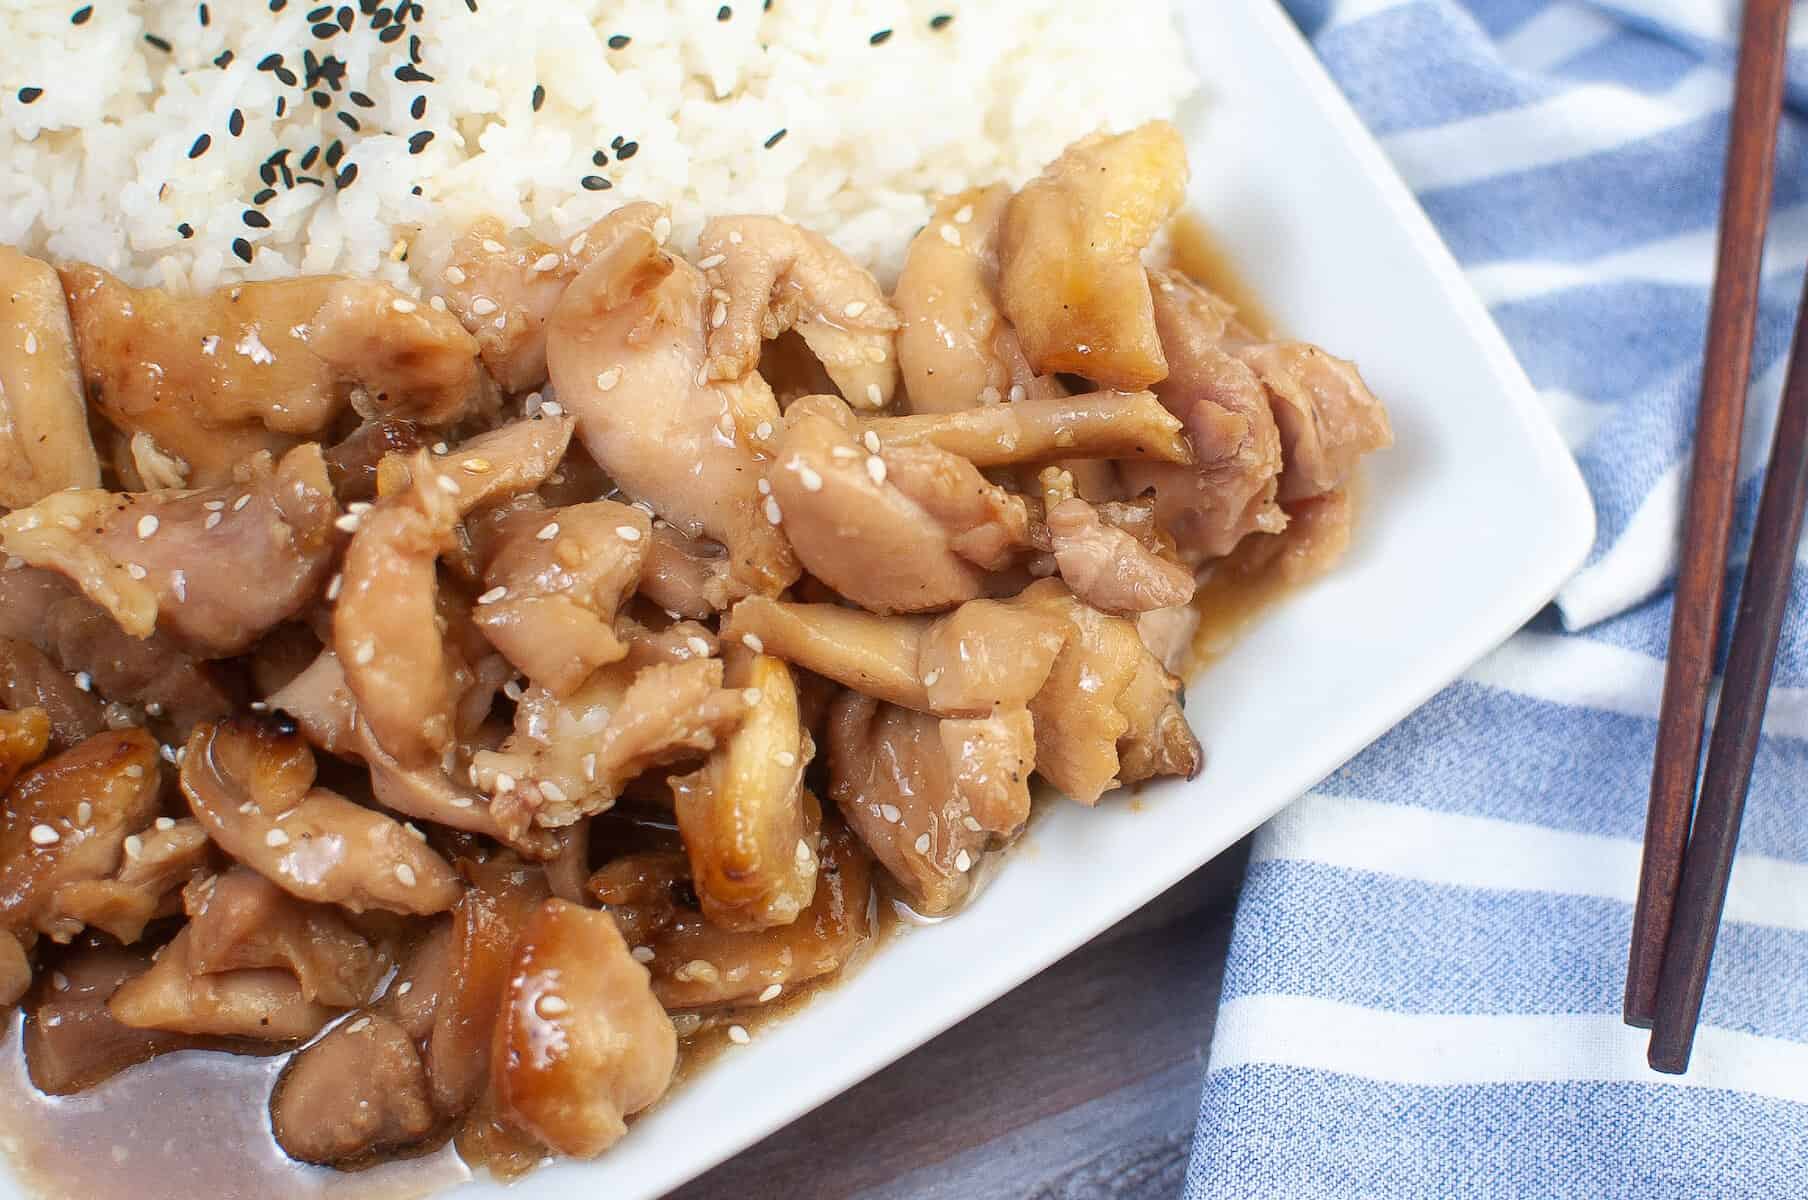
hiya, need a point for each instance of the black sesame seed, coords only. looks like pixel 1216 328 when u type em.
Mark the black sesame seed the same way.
pixel 317 15
pixel 600 159
pixel 392 33
pixel 723 13
pixel 414 49
pixel 224 60
pixel 334 153
pixel 347 120
pixel 27 95
pixel 616 142
pixel 596 183
pixel 409 73
pixel 264 196
pixel 415 190
pixel 310 66
pixel 367 6
pixel 332 69
pixel 880 38
pixel 269 62
pixel 419 141
pixel 775 139
pixel 361 100
pixel 185 229
pixel 287 76
pixel 80 16
pixel 307 160
pixel 278 5
pixel 471 4
pixel 619 41
pixel 288 179
pixel 267 173
pixel 940 20
pixel 235 124
pixel 325 31
pixel 322 100
pixel 418 109
pixel 539 94
pixel 255 219
pixel 202 14
pixel 158 42
pixel 282 105
pixel 310 179
pixel 345 16
pixel 627 150
pixel 380 18
pixel 242 248
pixel 200 146
pixel 347 177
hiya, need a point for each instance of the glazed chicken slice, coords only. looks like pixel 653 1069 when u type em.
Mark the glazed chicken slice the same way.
pixel 626 352
pixel 504 291
pixel 66 820
pixel 985 655
pixel 696 964
pixel 28 679
pixel 71 1041
pixel 24 737
pixel 1070 255
pixel 213 379
pixel 685 576
pixel 153 673
pixel 912 532
pixel 352 462
pixel 490 468
pixel 571 758
pixel 261 1004
pixel 159 861
pixel 251 788
pixel 767 275
pixel 744 817
pixel 554 580
pixel 896 784
pixel 216 568
pixel 359 1090
pixel 44 442
pixel 239 921
pixel 947 298
pixel 1116 425
pixel 582 1043
pixel 1108 567
pixel 1327 417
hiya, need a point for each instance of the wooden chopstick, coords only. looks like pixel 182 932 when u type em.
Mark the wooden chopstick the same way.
pixel 1763 599
pixel 1707 522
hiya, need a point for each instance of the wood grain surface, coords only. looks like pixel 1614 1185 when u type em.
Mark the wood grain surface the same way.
pixel 1082 1083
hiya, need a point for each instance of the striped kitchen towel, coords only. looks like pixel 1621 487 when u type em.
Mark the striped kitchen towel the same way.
pixel 1423 992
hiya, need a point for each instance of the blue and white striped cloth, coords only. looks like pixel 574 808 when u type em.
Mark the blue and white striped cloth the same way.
pixel 1424 986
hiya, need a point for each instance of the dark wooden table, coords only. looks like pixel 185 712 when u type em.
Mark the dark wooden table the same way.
pixel 1082 1083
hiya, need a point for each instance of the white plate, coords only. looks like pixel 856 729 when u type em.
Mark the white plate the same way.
pixel 1467 527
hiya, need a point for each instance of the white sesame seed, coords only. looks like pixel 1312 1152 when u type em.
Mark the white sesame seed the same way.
pixel 871 441
pixel 627 533
pixel 333 585
pixel 548 532
pixel 349 522
pixel 154 709
pixel 553 408
pixel 84 681
pixel 404 874
pixel 608 378
pixel 550 1006
pixel 163 823
pixel 448 485
pixel 698 646
pixel 853 308
pixel 712 262
pixel 589 762
pixel 512 689
pixel 843 453
pixel 890 813
pixel 785 758
pixel 214 505
pixel 462 802
pixel 963 861
pixel 642 954
pixel 546 262
pixel 454 276
pixel 437 303
pixel 364 653
pixel 874 396
pixel 239 504
pixel 414 831
pixel 31 342
pixel 922 843
pixel 875 468
pixel 504 782
pixel 403 988
pixel 752 695
pixel 476 466
pixel 59 981
pixel 577 243
pixel 134 846
pixel 662 229
pixel 494 594
pixel 771 993
pixel 483 306
pixel 1017 393
pixel 276 837
pixel 403 306
pixel 989 395
pixel 734 237
pixel 963 214
pixel 147 525
pixel 773 514
pixel 44 835
pixel 718 316
pixel 552 791
pixel 951 235
pixel 803 851
pixel 703 378
pixel 133 771
pixel 138 572
pixel 763 430
pixel 166 753
pixel 492 246
pixel 972 823
pixel 810 479
pixel 763 486
pixel 931 679
pixel 247 808
pixel 752 642
pixel 738 1035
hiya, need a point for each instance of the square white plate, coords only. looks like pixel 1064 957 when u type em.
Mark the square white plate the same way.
pixel 1466 528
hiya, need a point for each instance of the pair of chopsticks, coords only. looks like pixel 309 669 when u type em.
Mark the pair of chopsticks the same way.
pixel 1684 877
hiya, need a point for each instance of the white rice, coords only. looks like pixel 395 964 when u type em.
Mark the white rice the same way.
pixel 98 166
